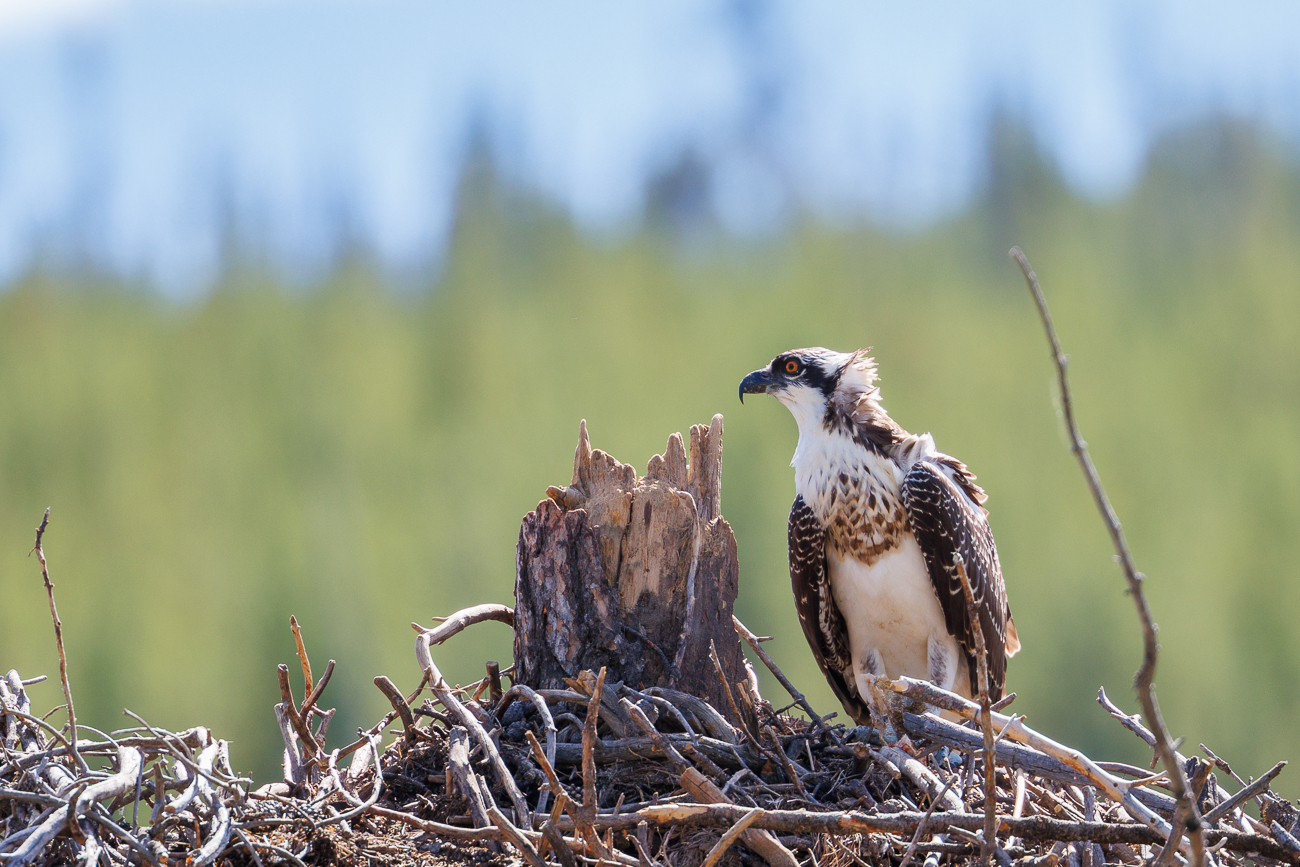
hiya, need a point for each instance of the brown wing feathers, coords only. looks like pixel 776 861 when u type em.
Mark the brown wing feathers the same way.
pixel 822 622
pixel 945 522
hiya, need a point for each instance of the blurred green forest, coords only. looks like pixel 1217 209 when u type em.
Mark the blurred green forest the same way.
pixel 360 454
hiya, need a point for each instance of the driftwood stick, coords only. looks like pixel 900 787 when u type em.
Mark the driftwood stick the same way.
pixel 1144 680
pixel 733 834
pixel 1116 789
pixel 1258 787
pixel 449 701
pixel 130 761
pixel 923 778
pixel 516 838
pixel 763 842
pixel 467 617
pixel 100 816
pixel 990 842
pixel 292 760
pixel 218 837
pixel 376 789
pixel 364 741
pixel 920 826
pixel 198 783
pixel 310 747
pixel 551 835
pixel 548 768
pixel 58 641
pixel 463 777
pixel 1290 843
pixel 662 745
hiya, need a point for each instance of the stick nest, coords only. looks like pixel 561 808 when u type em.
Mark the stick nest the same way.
pixel 601 772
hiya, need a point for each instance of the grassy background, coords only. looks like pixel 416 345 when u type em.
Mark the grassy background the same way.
pixel 361 456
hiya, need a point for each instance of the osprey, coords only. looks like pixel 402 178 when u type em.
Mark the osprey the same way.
pixel 878 517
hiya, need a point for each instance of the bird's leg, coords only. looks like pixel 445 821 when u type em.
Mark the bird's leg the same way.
pixel 869 672
pixel 941 653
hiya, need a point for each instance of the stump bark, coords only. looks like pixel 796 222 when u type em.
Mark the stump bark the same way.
pixel 638 575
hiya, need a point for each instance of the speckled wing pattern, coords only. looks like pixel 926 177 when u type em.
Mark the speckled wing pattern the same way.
pixel 944 522
pixel 822 622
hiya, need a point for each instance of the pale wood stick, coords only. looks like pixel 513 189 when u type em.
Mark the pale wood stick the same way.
pixel 467 617
pixel 440 688
pixel 463 776
pixel 1116 789
pixel 764 843
pixel 916 835
pixel 516 838
pixel 733 834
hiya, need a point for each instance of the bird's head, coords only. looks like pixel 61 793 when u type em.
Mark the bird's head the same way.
pixel 812 381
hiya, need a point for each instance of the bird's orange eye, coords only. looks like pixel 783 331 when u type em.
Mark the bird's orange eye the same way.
pixel 792 366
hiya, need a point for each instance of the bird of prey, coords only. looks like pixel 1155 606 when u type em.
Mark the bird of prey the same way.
pixel 877 521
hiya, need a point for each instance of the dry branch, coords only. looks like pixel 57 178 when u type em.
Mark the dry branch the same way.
pixel 58 639
pixel 1144 681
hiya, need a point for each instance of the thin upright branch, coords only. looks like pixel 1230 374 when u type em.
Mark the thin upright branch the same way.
pixel 1144 681
pixel 58 640
pixel 307 682
pixel 819 722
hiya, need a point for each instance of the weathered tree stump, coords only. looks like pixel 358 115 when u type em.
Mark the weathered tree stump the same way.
pixel 636 575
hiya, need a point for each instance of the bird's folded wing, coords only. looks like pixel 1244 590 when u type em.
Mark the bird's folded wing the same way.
pixel 945 522
pixel 822 622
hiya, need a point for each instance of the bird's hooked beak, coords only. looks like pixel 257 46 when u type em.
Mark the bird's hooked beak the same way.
pixel 758 382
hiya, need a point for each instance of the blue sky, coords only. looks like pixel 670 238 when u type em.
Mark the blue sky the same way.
pixel 131 133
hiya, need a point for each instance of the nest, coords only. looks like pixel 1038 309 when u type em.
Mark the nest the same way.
pixel 602 772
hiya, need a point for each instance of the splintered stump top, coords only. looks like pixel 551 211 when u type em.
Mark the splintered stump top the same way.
pixel 638 575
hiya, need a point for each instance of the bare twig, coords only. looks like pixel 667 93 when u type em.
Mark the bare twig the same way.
pixel 302 655
pixel 920 826
pixel 398 701
pixel 58 640
pixel 314 694
pixel 733 834
pixel 819 722
pixel 1144 681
